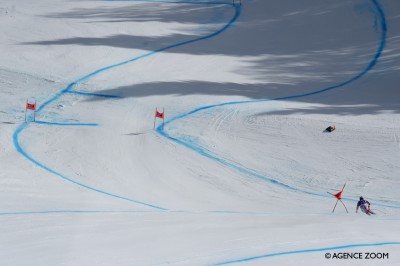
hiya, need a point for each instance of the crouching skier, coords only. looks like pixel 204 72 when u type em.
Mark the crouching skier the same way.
pixel 365 206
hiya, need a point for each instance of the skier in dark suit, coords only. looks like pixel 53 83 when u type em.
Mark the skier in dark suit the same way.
pixel 365 206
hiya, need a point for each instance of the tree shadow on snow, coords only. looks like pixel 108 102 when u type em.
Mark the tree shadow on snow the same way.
pixel 288 47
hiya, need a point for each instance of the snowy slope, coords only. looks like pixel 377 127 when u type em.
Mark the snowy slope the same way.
pixel 240 170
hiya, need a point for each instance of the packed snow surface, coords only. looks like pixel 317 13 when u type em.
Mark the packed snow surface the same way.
pixel 239 170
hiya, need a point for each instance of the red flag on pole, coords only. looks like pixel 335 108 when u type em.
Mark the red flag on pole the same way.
pixel 159 115
pixel 338 197
pixel 31 106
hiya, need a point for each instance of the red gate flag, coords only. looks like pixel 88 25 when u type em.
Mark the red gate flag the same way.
pixel 31 106
pixel 159 115
pixel 338 197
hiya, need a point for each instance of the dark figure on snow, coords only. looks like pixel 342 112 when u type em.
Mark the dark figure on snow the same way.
pixel 365 206
pixel 330 128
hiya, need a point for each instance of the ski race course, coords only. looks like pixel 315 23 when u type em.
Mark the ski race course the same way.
pixel 239 170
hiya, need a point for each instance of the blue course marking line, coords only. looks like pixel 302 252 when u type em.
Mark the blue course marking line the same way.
pixel 204 152
pixel 174 2
pixel 307 251
pixel 229 24
pixel 65 212
pixel 94 73
pixel 26 155
pixel 69 89
pixel 65 124
pixel 84 93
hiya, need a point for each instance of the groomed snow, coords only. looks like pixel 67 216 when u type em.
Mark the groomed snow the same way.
pixel 240 171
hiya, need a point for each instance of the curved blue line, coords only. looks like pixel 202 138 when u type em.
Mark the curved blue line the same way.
pixel 26 155
pixel 84 93
pixel 307 251
pixel 175 2
pixel 69 89
pixel 204 152
pixel 64 212
pixel 94 73
pixel 65 124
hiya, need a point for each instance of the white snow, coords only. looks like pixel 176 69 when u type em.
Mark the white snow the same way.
pixel 245 179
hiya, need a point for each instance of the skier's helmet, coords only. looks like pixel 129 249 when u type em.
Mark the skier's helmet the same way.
pixel 361 198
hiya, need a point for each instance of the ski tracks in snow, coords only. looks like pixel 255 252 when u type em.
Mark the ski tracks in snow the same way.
pixel 396 137
pixel 204 151
pixel 218 122
pixel 70 90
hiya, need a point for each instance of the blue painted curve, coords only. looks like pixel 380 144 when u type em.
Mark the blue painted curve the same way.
pixel 84 93
pixel 69 89
pixel 206 153
pixel 306 251
pixel 70 212
pixel 65 124
pixel 26 155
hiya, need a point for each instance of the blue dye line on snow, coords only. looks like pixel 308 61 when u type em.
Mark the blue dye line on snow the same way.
pixel 175 2
pixel 94 73
pixel 26 155
pixel 69 89
pixel 84 93
pixel 307 251
pixel 204 152
pixel 65 124
pixel 65 212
